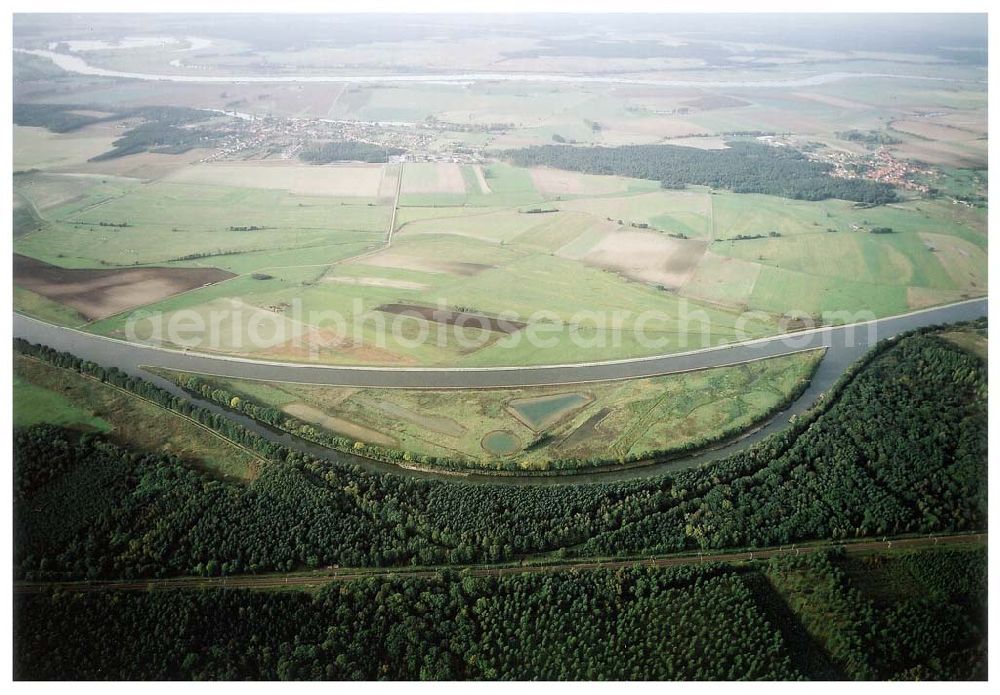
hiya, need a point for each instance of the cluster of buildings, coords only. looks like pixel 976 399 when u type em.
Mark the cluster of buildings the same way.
pixel 246 136
pixel 880 165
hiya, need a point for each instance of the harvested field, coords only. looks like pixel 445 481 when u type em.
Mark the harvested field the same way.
pixel 376 282
pixel 923 297
pixel 388 259
pixel 148 166
pixel 933 130
pixel 334 180
pixel 648 256
pixel 462 319
pixel 389 183
pixel 560 182
pixel 338 425
pixel 37 148
pixel 433 178
pixel 836 102
pixel 636 129
pixel 710 102
pixel 962 155
pixel 100 293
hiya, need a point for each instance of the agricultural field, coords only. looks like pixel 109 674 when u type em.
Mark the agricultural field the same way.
pixel 37 148
pixel 430 203
pixel 308 251
pixel 328 180
pixel 616 244
pixel 604 421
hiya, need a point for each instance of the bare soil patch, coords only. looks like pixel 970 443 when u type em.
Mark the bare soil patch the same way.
pixel 447 317
pixel 710 102
pixel 97 293
pixel 390 259
pixel 376 282
pixel 560 182
pixel 648 256
pixel 439 424
pixel 586 430
pixel 830 100
pixel 335 180
pixel 148 166
pixel 443 177
pixel 923 297
pixel 931 130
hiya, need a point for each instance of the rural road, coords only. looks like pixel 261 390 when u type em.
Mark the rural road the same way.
pixel 844 345
pixel 320 577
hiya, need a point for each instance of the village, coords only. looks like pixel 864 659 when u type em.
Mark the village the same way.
pixel 879 165
pixel 248 136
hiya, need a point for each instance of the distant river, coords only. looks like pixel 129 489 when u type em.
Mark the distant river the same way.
pixel 72 63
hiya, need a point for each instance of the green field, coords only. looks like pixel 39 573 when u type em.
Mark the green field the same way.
pixel 169 221
pixel 36 404
pixel 555 248
pixel 327 255
pixel 605 421
pixel 36 305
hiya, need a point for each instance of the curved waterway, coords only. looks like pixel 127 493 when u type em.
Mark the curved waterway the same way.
pixel 76 64
pixel 840 354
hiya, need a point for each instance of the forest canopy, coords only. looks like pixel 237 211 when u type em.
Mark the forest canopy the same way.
pixel 347 151
pixel 742 167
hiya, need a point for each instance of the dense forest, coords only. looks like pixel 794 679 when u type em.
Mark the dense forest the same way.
pixel 898 446
pixel 871 138
pixel 347 151
pixel 742 167
pixel 911 616
pixel 58 118
pixel 705 622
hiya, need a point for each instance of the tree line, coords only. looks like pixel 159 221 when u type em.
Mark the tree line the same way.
pixel 898 446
